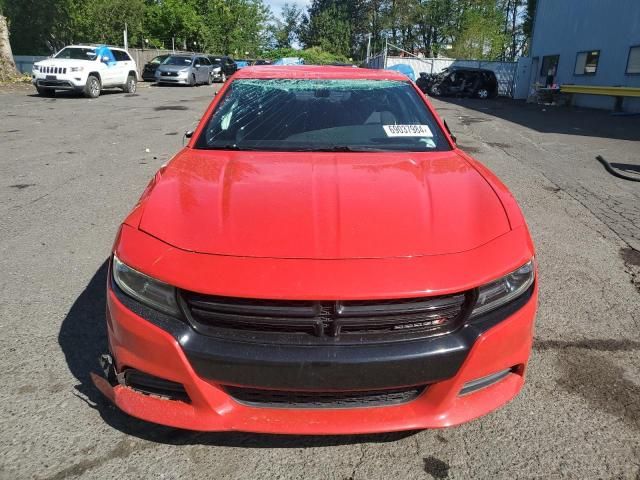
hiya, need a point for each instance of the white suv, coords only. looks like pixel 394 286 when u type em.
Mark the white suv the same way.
pixel 86 69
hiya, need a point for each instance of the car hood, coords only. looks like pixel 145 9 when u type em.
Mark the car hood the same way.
pixel 322 205
pixel 62 62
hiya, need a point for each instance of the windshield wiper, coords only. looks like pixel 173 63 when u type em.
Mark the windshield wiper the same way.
pixel 334 148
pixel 338 148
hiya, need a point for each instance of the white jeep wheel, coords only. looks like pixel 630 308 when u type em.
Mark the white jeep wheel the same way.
pixel 92 87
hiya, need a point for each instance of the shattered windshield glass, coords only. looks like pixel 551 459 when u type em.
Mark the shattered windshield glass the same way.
pixel 322 115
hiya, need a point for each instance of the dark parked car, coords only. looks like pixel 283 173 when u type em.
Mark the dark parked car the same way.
pixel 261 62
pixel 426 80
pixel 467 82
pixel 223 67
pixel 149 71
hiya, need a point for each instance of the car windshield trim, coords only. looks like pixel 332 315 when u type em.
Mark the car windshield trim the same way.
pixel 322 115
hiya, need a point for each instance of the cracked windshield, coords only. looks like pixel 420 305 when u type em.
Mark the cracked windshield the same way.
pixel 322 115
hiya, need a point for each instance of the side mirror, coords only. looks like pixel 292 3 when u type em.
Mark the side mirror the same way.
pixel 187 135
pixel 453 137
pixel 197 65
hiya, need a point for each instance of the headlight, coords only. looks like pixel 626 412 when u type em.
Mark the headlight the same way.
pixel 76 69
pixel 184 72
pixel 502 291
pixel 145 289
pixel 35 68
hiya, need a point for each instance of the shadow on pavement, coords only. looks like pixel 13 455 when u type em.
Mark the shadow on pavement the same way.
pixel 77 95
pixel 550 119
pixel 83 337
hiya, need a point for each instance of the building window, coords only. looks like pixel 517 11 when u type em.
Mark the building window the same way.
pixel 633 63
pixel 587 63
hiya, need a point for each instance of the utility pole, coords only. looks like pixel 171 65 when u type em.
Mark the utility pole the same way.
pixel 386 50
pixel 173 44
pixel 126 34
pixel 368 47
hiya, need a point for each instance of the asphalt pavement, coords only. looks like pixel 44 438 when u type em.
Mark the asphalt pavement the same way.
pixel 71 168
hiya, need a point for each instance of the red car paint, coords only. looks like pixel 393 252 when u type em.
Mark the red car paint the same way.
pixel 310 226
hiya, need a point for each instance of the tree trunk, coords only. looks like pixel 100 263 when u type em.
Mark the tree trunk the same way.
pixel 7 65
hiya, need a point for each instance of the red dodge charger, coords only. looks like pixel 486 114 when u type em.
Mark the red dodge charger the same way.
pixel 320 258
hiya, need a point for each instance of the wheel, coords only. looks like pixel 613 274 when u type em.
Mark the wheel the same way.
pixel 92 87
pixel 483 93
pixel 210 78
pixel 435 90
pixel 46 92
pixel 131 85
pixel 192 80
pixel 223 77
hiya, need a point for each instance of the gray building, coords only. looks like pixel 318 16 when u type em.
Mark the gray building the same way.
pixel 591 43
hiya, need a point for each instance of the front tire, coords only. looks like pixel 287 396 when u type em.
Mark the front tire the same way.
pixel 482 93
pixel 192 80
pixel 131 86
pixel 92 87
pixel 435 91
pixel 210 79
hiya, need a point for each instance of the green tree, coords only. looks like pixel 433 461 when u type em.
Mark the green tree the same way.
pixel 527 26
pixel 235 26
pixel 40 26
pixel 328 26
pixel 7 65
pixel 480 32
pixel 104 22
pixel 311 56
pixel 174 21
pixel 286 31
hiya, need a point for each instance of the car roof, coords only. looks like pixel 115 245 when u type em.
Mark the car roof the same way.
pixel 318 72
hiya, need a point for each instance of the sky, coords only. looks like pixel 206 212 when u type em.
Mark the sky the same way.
pixel 276 5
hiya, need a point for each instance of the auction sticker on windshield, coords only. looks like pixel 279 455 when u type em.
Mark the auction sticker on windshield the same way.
pixel 407 131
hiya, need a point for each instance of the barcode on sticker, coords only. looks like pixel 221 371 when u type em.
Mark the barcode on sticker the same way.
pixel 407 131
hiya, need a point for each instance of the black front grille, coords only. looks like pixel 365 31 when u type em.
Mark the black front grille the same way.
pixel 54 70
pixel 333 320
pixel 285 399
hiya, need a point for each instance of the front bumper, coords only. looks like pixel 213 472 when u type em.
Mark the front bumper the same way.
pixel 169 349
pixel 183 80
pixel 57 82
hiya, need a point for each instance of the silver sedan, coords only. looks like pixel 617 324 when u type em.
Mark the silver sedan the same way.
pixel 185 70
